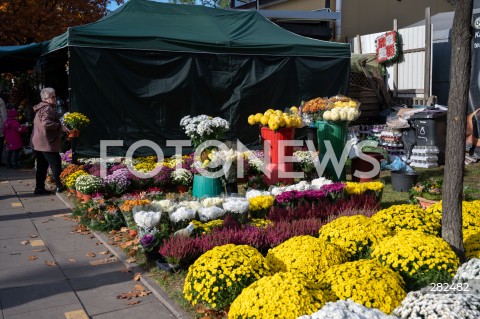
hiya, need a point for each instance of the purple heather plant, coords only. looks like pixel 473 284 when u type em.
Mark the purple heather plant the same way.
pixel 163 178
pixel 284 230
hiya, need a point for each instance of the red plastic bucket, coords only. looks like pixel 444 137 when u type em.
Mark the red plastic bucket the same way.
pixel 275 169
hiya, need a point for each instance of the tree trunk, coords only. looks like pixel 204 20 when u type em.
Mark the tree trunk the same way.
pixel 456 119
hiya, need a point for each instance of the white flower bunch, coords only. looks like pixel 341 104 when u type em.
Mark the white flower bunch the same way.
pixel 300 186
pixel 469 272
pixel 317 183
pixel 164 205
pixel 192 204
pixel 306 157
pixel 347 309
pixel 254 161
pixel 210 213
pixel 419 305
pixel 236 205
pixel 212 201
pixel 147 219
pixel 341 114
pixel 182 213
pixel 182 176
pixel 88 184
pixel 203 127
pixel 251 193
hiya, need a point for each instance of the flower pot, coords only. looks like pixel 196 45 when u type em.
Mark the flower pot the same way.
pixel 74 133
pixel 153 255
pixel 402 181
pixel 362 166
pixel 79 195
pixel 86 197
pixel 278 166
pixel 205 186
pixel 336 133
pixel 425 203
pixel 162 265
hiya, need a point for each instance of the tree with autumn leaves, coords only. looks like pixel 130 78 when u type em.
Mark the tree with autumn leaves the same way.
pixel 27 21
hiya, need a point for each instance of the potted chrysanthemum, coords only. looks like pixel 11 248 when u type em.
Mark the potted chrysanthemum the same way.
pixel 75 121
pixel 87 185
pixel 182 178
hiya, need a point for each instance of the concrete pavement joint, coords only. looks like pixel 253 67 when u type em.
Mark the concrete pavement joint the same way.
pixel 147 282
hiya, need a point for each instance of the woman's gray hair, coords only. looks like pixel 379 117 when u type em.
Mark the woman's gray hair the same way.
pixel 47 93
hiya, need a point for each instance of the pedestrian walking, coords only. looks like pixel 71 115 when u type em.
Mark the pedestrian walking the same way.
pixel 46 139
pixel 13 131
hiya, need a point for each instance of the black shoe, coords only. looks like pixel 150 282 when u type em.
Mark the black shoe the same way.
pixel 60 189
pixel 42 192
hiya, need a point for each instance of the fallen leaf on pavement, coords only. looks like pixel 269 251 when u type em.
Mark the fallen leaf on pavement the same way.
pixel 131 303
pixel 131 260
pixel 91 236
pixel 33 236
pixel 32 258
pixel 39 250
pixel 90 254
pixel 139 288
pixel 124 269
pixel 24 242
pixel 104 252
pixel 71 260
pixel 15 253
pixel 51 263
pixel 137 276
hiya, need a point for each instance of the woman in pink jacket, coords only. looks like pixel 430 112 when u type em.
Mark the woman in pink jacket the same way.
pixel 13 137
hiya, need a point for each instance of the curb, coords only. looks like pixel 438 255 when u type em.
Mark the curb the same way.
pixel 149 283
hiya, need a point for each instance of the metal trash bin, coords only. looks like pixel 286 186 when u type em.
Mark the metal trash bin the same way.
pixel 431 130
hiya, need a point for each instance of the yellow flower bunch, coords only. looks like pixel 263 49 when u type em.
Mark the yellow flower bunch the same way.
pixel 420 258
pixel 470 225
pixel 470 214
pixel 276 119
pixel 219 275
pixel 354 234
pixel 305 255
pixel 205 228
pixel 261 202
pixel 260 222
pixel 283 295
pixel 75 120
pixel 408 216
pixel 471 242
pixel 130 203
pixel 145 166
pixel 72 178
pixel 353 188
pixel 366 282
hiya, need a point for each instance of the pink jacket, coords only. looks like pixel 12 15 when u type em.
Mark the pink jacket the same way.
pixel 47 129
pixel 13 131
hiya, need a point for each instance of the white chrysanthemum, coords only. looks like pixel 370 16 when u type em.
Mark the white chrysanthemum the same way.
pixel 210 213
pixel 317 183
pixel 182 213
pixel 192 204
pixel 469 273
pixel 212 201
pixel 347 309
pixel 147 219
pixel 164 205
pixel 236 205
pixel 418 304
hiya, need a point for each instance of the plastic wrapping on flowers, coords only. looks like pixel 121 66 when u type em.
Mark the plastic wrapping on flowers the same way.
pixel 418 257
pixel 284 295
pixel 354 234
pixel 305 255
pixel 366 282
pixel 407 216
pixel 218 276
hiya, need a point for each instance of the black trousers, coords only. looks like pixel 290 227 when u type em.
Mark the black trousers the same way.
pixel 44 159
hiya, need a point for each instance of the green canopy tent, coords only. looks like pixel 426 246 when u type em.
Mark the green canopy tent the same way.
pixel 20 57
pixel 139 70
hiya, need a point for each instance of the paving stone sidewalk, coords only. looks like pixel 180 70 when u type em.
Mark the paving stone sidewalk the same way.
pixel 49 271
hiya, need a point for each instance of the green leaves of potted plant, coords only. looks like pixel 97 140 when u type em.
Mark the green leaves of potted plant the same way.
pixel 427 192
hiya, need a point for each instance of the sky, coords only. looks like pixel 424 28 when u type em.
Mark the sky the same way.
pixel 113 5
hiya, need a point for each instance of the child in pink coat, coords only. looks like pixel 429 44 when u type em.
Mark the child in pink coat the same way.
pixel 13 137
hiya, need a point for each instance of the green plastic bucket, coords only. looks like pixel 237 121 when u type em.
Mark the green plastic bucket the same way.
pixel 206 187
pixel 336 133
